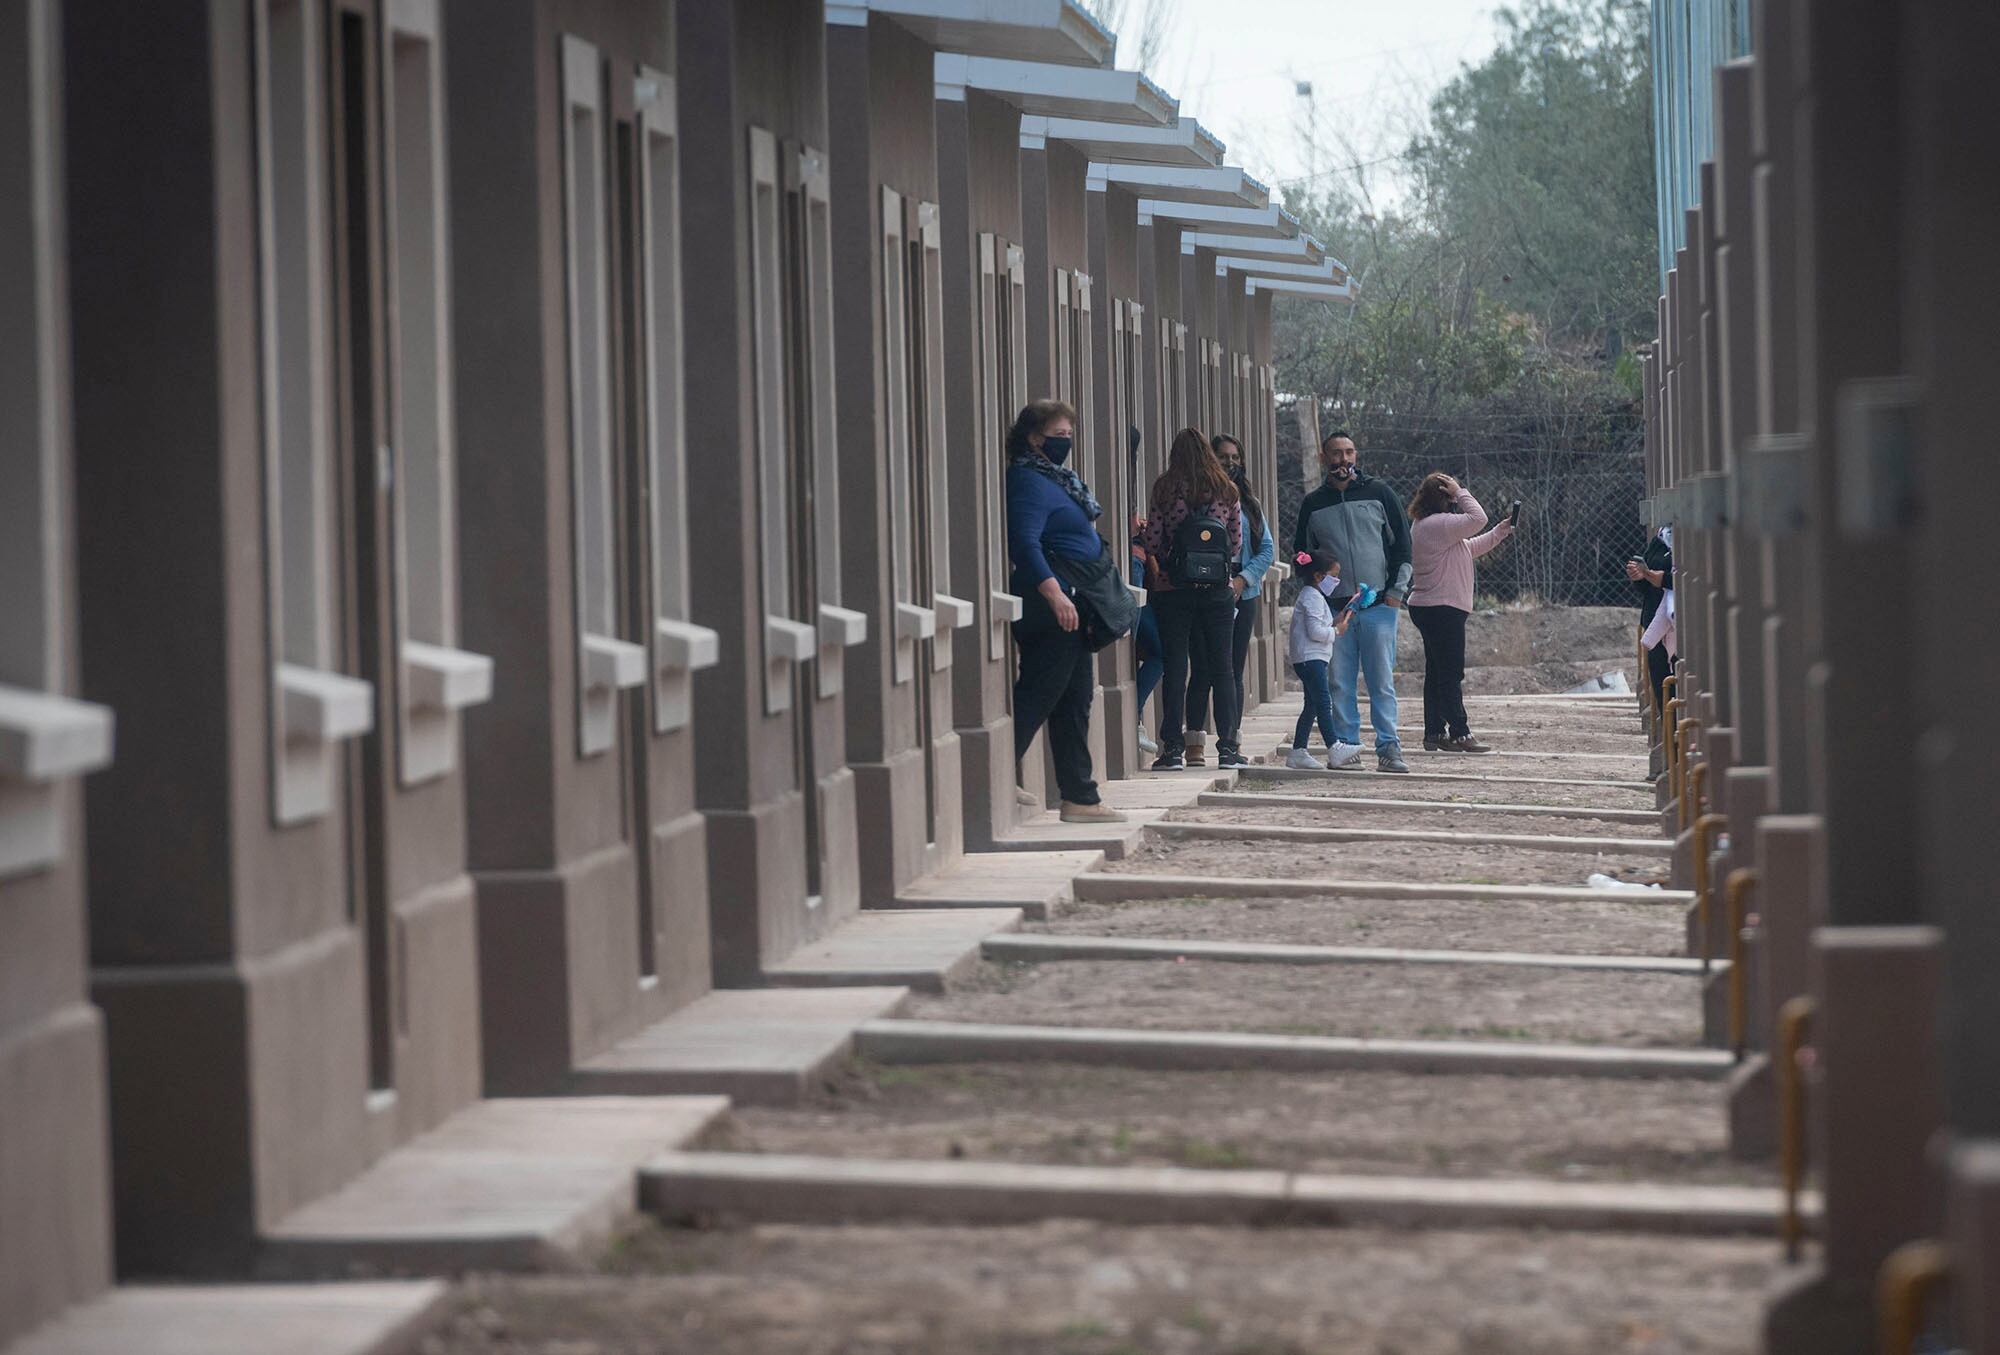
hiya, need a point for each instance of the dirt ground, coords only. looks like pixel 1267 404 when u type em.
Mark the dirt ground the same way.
pixel 1068 1288
pixel 1417 862
pixel 1535 792
pixel 1566 929
pixel 1568 1128
pixel 1384 1001
pixel 1579 824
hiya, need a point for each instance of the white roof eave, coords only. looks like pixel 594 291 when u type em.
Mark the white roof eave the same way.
pixel 1227 186
pixel 1269 222
pixel 1056 32
pixel 1326 291
pixel 1326 270
pixel 1302 247
pixel 1182 142
pixel 1043 90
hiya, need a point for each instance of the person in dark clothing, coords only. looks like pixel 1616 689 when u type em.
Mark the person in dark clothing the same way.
pixel 1051 512
pixel 1654 573
pixel 1194 518
pixel 1259 551
pixel 1361 521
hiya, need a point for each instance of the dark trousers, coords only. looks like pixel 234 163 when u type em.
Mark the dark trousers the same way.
pixel 1201 681
pixel 1196 625
pixel 1319 703
pixel 1058 678
pixel 1658 665
pixel 1443 629
pixel 1151 666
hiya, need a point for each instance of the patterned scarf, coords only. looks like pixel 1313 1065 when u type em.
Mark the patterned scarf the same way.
pixel 1072 483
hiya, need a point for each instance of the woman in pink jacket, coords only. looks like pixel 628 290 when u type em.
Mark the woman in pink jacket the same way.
pixel 1445 539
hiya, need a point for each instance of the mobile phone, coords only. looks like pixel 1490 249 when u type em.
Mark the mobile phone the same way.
pixel 1514 514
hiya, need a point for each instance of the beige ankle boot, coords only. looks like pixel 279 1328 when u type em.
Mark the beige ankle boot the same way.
pixel 1098 813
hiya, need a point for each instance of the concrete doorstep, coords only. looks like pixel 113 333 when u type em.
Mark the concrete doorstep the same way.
pixel 1356 771
pixel 757 1046
pixel 1414 750
pixel 772 1188
pixel 910 1042
pixel 1225 799
pixel 1041 948
pixel 1045 832
pixel 1133 887
pixel 1036 882
pixel 365 1318
pixel 1279 833
pixel 920 948
pixel 501 1185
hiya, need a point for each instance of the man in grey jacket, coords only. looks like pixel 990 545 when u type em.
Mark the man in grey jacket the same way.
pixel 1361 520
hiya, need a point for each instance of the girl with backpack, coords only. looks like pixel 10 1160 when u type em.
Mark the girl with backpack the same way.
pixel 1195 530
pixel 1260 551
pixel 1310 648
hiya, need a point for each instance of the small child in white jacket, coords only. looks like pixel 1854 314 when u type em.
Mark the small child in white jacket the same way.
pixel 1310 648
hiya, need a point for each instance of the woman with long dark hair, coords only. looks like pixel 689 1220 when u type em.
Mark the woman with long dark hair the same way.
pixel 1051 516
pixel 1444 541
pixel 1194 528
pixel 1259 551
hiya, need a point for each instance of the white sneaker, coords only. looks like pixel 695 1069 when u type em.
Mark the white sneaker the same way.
pixel 1342 753
pixel 1147 743
pixel 1299 760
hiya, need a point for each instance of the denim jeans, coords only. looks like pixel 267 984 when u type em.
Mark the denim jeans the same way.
pixel 1152 666
pixel 1367 649
pixel 1319 703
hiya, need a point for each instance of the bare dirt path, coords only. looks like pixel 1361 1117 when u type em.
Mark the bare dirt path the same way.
pixel 1565 929
pixel 1387 1001
pixel 1420 862
pixel 1567 1128
pixel 1065 1288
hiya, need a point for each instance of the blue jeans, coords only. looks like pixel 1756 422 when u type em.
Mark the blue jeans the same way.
pixel 1319 703
pixel 1369 646
pixel 1152 667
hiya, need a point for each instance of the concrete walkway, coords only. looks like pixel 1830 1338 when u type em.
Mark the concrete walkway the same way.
pixel 359 1318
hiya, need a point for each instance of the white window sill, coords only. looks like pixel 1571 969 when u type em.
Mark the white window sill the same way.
pixel 686 647
pixel 914 622
pixel 952 613
pixel 444 679
pixel 44 737
pixel 1280 571
pixel 1006 607
pixel 841 627
pixel 612 665
pixel 322 707
pixel 1138 594
pixel 789 641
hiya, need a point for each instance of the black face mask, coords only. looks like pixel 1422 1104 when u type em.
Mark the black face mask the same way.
pixel 1056 449
pixel 1237 473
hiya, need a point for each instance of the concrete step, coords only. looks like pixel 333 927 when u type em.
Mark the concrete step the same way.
pixel 757 1046
pixel 1045 948
pixel 501 1185
pixel 920 948
pixel 366 1318
pixel 900 1041
pixel 1036 882
pixel 1126 887
pixel 1224 799
pixel 1358 771
pixel 1045 832
pixel 1278 833
pixel 772 1188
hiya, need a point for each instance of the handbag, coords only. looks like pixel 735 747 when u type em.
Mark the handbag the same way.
pixel 1105 608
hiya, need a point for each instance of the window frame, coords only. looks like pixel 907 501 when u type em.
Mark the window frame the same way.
pixel 435 678
pixel 680 647
pixel 951 612
pixel 313 705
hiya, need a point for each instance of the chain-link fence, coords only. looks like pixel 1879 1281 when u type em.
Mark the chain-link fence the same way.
pixel 1579 505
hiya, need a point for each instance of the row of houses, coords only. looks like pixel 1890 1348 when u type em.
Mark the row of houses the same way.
pixel 1819 414
pixel 523 480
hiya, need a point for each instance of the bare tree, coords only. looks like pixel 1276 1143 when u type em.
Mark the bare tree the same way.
pixel 1151 25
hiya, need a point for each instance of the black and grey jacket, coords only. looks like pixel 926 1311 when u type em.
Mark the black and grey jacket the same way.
pixel 1364 525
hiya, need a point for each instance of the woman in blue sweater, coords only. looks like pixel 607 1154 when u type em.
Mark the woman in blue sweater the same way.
pixel 1050 512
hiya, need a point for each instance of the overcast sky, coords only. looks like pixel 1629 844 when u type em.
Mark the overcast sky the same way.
pixel 1373 65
